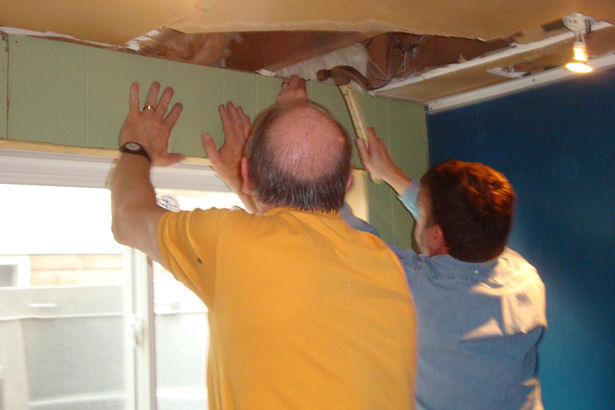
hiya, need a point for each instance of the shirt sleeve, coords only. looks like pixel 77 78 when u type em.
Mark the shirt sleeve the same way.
pixel 409 198
pixel 188 241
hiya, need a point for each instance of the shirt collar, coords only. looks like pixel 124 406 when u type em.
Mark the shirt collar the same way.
pixel 446 265
pixel 280 209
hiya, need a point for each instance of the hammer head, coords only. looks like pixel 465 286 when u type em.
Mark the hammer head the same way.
pixel 342 75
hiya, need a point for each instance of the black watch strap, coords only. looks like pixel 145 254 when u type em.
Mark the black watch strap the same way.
pixel 135 148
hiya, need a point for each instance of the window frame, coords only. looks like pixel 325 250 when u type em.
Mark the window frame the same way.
pixel 91 171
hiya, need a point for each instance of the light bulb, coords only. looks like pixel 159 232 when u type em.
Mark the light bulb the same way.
pixel 579 51
pixel 579 59
pixel 578 67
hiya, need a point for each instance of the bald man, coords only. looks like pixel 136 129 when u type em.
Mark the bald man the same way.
pixel 304 312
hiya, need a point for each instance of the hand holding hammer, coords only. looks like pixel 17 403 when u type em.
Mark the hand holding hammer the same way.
pixel 342 77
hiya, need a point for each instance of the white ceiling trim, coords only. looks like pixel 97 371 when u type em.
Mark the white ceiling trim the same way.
pixel 513 86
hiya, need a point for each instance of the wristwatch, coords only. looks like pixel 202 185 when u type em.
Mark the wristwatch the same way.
pixel 135 148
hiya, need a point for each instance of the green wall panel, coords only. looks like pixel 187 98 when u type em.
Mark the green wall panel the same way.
pixel 75 95
pixel 267 89
pixel 4 60
pixel 408 137
pixel 47 91
pixel 199 89
pixel 109 75
pixel 380 195
pixel 396 122
pixel 406 124
pixel 240 88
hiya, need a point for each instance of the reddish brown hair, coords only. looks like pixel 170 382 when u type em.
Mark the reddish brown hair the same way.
pixel 473 204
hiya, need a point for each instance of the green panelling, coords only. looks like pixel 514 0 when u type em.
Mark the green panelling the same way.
pixel 403 225
pixel 408 142
pixel 376 115
pixel 47 91
pixel 109 75
pixel 199 89
pixel 4 60
pixel 75 95
pixel 408 146
pixel 267 89
pixel 380 213
pixel 240 88
pixel 380 195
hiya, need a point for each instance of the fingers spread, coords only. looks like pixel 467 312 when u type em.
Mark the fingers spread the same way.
pixel 225 116
pixel 133 97
pixel 244 122
pixel 210 147
pixel 235 123
pixel 174 114
pixel 163 104
pixel 152 95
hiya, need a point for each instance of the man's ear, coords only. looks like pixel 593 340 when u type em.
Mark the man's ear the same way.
pixel 349 182
pixel 437 244
pixel 246 183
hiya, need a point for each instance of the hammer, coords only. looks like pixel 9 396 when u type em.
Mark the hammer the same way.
pixel 342 76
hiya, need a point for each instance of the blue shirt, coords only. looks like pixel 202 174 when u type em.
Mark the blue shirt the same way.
pixel 478 326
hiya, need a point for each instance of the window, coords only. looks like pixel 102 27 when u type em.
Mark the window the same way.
pixel 182 331
pixel 14 271
pixel 77 310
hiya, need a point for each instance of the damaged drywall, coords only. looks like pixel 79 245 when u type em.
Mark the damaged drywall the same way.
pixel 116 22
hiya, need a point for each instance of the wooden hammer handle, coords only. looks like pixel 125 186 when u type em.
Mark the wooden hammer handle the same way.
pixel 355 116
pixel 355 113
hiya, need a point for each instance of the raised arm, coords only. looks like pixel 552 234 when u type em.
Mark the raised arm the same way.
pixel 377 160
pixel 226 160
pixel 133 200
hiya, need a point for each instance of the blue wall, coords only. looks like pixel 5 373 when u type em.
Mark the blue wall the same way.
pixel 556 144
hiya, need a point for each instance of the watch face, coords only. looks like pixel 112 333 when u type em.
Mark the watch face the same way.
pixel 132 146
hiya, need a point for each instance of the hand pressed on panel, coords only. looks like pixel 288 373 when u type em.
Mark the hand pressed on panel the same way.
pixel 152 126
pixel 226 160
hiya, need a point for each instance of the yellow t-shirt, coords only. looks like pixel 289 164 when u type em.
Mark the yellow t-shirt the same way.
pixel 304 312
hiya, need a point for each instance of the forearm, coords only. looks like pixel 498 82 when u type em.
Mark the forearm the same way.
pixel 396 179
pixel 135 213
pixel 378 162
pixel 233 181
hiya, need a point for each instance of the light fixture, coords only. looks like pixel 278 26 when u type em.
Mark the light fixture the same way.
pixel 580 25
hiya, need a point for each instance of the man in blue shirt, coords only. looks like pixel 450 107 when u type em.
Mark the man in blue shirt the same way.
pixel 480 305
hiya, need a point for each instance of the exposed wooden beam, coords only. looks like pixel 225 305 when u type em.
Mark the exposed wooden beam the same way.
pixel 277 49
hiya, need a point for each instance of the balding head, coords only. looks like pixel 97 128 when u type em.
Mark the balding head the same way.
pixel 299 157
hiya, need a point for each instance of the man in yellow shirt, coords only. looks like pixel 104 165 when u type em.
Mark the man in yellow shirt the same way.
pixel 304 312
